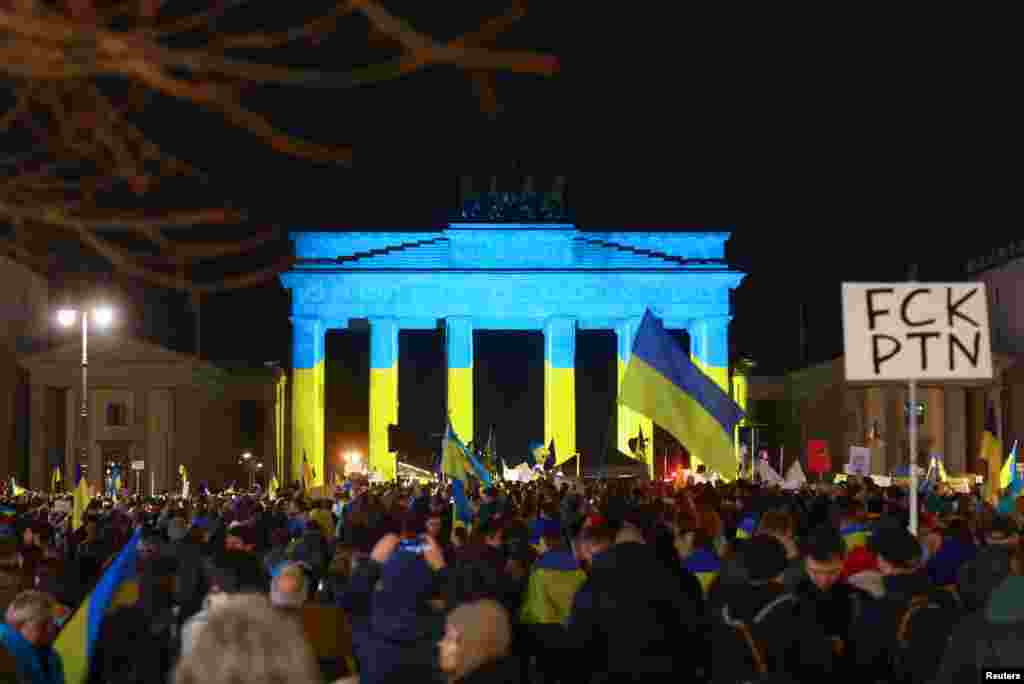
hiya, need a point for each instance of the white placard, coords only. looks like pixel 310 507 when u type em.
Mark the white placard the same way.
pixel 860 461
pixel 138 465
pixel 916 331
pixel 882 480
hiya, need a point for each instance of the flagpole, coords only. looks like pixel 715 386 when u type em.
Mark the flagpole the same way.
pixel 913 456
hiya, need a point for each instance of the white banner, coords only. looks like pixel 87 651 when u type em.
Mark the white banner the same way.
pixel 860 461
pixel 916 331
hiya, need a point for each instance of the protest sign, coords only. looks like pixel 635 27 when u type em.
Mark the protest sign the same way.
pixel 818 459
pixel 916 331
pixel 860 461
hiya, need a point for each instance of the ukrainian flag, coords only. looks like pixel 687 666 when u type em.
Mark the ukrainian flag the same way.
pixel 118 587
pixel 855 535
pixel 536 453
pixel 705 565
pixel 747 527
pixel 1014 485
pixel 55 479
pixel 79 504
pixel 17 490
pixel 458 464
pixel 992 451
pixel 1009 472
pixel 661 382
pixel 554 580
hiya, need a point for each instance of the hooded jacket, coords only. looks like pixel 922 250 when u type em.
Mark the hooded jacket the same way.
pixel 396 640
pixel 989 638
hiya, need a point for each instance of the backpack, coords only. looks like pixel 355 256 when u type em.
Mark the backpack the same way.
pixel 922 624
pixel 759 671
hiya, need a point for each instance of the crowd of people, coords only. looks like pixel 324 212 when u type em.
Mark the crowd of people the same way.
pixel 590 582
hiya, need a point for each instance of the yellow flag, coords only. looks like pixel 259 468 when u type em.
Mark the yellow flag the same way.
pixel 81 501
pixel 272 488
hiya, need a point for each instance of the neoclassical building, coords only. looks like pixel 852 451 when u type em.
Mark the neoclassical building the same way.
pixel 818 403
pixel 509 261
pixel 151 404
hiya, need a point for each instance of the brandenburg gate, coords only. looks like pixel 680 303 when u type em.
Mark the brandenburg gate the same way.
pixel 509 263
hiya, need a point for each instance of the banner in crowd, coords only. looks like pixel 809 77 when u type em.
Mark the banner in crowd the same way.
pixel 818 459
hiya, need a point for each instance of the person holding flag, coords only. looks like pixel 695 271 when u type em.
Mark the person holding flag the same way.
pixel 457 463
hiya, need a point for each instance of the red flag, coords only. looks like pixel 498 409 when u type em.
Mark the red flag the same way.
pixel 818 459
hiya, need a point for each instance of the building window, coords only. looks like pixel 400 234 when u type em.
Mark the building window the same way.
pixel 117 415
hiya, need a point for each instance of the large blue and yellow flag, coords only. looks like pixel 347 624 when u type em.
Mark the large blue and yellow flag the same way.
pixel 458 464
pixel 992 452
pixel 118 587
pixel 662 383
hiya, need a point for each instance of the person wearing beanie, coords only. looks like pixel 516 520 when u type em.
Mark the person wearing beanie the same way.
pixel 908 598
pixel 789 640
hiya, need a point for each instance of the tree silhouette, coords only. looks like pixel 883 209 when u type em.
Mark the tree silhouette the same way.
pixel 77 163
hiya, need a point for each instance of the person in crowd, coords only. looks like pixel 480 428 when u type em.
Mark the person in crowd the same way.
pixel 289 588
pixel 834 604
pixel 245 640
pixel 28 633
pixel 553 582
pixel 954 547
pixel 991 637
pixel 475 648
pixel 395 613
pixel 630 614
pixel 758 627
pixel 896 636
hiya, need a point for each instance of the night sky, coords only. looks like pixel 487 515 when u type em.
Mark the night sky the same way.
pixel 814 192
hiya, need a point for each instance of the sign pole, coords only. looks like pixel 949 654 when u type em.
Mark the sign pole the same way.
pixel 782 462
pixel 913 457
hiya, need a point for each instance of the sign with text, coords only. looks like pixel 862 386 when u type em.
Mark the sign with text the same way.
pixel 818 459
pixel 860 461
pixel 916 331
pixel 138 465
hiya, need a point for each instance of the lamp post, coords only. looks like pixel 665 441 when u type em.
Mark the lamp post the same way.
pixel 246 462
pixel 67 316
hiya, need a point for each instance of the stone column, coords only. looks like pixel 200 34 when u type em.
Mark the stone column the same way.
pixel 956 430
pixel 459 350
pixel 308 342
pixel 560 386
pixel 709 349
pixel 935 421
pixel 875 424
pixel 383 393
pixel 268 452
pixel 37 462
pixel 631 424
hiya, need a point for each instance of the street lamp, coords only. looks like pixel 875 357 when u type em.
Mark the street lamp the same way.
pixel 67 317
pixel 246 462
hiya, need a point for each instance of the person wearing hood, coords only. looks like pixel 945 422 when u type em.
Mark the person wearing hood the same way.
pixel 396 621
pixel 788 641
pixel 896 637
pixel 991 637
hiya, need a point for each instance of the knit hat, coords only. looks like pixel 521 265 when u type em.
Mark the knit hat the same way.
pixel 764 558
